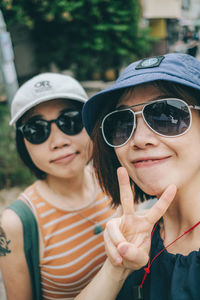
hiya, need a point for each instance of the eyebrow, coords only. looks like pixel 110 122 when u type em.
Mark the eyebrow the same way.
pixel 31 117
pixel 164 96
pixel 39 116
pixel 34 116
pixel 67 109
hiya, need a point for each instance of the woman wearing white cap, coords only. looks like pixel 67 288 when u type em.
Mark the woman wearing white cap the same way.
pixel 148 127
pixel 52 237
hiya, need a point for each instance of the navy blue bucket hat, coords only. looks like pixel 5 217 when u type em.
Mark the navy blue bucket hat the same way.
pixel 174 67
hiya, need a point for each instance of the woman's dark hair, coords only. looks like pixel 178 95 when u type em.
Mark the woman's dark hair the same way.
pixel 104 157
pixel 24 155
pixel 21 148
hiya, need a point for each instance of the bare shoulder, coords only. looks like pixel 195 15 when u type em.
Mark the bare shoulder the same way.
pixel 13 263
pixel 10 221
pixel 11 232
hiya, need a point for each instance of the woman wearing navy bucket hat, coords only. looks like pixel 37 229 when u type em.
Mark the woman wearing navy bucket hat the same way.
pixel 65 205
pixel 146 134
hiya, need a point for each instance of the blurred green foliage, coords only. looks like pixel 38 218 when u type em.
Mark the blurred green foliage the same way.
pixel 12 170
pixel 84 35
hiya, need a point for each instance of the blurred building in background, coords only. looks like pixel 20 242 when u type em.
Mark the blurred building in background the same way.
pixel 175 24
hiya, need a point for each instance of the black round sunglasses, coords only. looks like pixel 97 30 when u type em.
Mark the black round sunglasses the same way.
pixel 37 130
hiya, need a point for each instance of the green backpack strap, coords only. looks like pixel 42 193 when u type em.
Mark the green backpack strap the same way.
pixel 31 244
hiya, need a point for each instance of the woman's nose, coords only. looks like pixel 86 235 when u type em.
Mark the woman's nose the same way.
pixel 57 138
pixel 143 136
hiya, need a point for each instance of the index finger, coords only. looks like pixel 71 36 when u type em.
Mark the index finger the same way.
pixel 126 193
pixel 159 209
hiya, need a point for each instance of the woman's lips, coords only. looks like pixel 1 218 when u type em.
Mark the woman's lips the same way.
pixel 64 159
pixel 149 162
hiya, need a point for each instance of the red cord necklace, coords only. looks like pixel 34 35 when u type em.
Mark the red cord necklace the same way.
pixel 147 269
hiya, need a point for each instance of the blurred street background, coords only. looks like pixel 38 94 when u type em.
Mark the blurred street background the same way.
pixel 92 40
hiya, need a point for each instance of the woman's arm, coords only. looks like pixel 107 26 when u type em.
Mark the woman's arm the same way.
pixel 13 264
pixel 106 284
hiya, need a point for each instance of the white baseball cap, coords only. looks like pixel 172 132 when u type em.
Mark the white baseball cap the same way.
pixel 44 87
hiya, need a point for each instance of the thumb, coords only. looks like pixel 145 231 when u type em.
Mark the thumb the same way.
pixel 136 257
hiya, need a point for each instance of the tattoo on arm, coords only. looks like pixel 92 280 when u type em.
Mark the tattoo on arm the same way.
pixel 3 243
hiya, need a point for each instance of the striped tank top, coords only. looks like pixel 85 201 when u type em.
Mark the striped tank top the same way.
pixel 73 254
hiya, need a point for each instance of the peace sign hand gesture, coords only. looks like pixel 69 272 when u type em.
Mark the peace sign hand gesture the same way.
pixel 128 237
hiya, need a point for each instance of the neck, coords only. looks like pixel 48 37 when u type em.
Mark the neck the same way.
pixel 185 208
pixel 67 187
pixel 71 193
pixel 183 213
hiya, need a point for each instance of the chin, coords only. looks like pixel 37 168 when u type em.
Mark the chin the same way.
pixel 153 189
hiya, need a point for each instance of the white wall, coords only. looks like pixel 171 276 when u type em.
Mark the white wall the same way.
pixel 161 9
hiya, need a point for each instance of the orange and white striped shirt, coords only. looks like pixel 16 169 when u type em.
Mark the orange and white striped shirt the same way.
pixel 73 254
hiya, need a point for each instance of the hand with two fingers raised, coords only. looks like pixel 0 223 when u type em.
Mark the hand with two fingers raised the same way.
pixel 128 237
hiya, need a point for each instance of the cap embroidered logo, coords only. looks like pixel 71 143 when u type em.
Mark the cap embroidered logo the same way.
pixel 150 62
pixel 42 86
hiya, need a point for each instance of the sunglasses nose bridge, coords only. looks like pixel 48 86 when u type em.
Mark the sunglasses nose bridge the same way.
pixel 137 112
pixel 56 121
pixel 50 122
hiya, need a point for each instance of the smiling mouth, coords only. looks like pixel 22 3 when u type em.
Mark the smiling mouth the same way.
pixel 64 158
pixel 149 161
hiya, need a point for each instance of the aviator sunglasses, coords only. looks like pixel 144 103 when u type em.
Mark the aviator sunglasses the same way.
pixel 169 117
pixel 37 130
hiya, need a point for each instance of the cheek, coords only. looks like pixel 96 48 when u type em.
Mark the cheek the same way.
pixel 35 152
pixel 121 154
pixel 87 147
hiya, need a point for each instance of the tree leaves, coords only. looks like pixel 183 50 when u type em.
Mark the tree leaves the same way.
pixel 85 34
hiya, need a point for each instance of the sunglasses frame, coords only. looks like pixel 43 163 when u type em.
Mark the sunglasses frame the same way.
pixel 129 108
pixel 49 122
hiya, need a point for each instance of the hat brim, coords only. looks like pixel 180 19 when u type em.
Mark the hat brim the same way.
pixel 45 99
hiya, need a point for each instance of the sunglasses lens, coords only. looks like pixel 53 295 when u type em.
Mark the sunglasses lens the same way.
pixel 117 127
pixel 167 117
pixel 36 131
pixel 70 122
